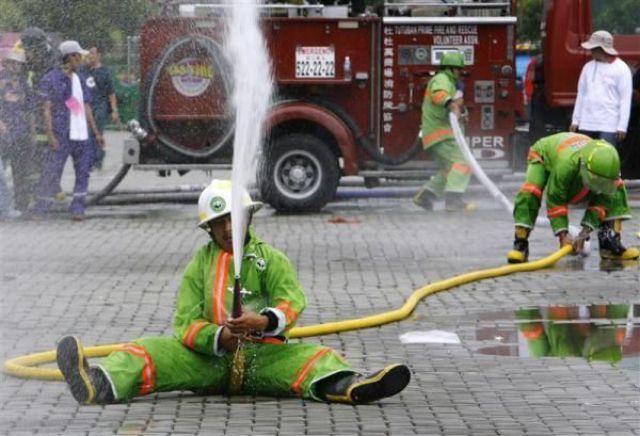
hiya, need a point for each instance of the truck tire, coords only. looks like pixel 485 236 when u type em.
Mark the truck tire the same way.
pixel 299 173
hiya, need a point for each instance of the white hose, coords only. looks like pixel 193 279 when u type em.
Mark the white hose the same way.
pixel 493 189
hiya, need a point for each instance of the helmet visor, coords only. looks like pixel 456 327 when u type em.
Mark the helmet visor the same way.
pixel 596 183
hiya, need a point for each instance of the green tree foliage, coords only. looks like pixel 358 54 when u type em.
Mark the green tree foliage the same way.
pixel 529 19
pixel 11 19
pixel 617 17
pixel 89 22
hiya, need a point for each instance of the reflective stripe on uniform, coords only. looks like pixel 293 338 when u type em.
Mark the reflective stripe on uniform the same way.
pixel 461 168
pixel 148 370
pixel 573 140
pixel 289 313
pixel 440 97
pixel 579 196
pixel 534 333
pixel 557 211
pixel 534 156
pixel 533 189
pixel 302 374
pixel 600 210
pixel 436 136
pixel 220 287
pixel 189 337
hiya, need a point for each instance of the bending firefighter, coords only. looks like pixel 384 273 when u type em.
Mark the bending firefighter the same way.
pixel 573 168
pixel 205 355
pixel 442 97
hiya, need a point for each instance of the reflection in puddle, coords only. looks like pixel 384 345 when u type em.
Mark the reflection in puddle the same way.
pixel 594 263
pixel 601 332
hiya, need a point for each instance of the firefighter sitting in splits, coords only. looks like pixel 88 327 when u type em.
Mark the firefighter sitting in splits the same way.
pixel 200 356
pixel 573 168
pixel 442 97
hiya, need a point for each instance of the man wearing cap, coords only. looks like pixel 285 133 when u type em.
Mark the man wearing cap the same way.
pixel 17 126
pixel 68 118
pixel 603 102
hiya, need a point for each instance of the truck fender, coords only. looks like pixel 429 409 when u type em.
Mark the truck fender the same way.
pixel 299 110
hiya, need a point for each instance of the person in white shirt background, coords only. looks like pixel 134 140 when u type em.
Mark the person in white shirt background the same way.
pixel 603 103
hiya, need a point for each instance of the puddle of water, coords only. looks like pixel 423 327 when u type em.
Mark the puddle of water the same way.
pixel 609 333
pixel 594 263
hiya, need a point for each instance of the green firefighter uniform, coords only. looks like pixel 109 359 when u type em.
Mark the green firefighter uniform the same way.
pixel 193 360
pixel 438 139
pixel 554 165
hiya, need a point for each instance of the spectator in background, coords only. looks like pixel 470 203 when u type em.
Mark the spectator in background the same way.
pixel 604 92
pixel 99 79
pixel 68 117
pixel 16 125
pixel 630 148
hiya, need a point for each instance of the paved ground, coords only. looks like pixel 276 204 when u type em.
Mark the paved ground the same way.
pixel 114 277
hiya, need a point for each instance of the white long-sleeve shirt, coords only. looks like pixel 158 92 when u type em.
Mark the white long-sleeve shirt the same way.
pixel 603 103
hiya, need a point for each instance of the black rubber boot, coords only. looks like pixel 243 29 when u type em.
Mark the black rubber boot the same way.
pixel 425 199
pixel 358 389
pixel 520 252
pixel 87 385
pixel 610 243
pixel 454 202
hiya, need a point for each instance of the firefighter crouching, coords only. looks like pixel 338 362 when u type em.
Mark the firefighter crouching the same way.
pixel 200 355
pixel 437 137
pixel 573 168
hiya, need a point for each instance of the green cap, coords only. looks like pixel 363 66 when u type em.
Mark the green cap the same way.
pixel 452 59
pixel 600 166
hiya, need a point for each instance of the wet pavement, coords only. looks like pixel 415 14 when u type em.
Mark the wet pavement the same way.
pixel 114 277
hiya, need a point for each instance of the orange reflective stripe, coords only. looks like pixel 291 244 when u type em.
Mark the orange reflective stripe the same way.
pixel 289 313
pixel 220 288
pixel 619 183
pixel 302 374
pixel 148 370
pixel 534 189
pixel 440 97
pixel 265 340
pixel 189 337
pixel 534 333
pixel 534 156
pixel 600 210
pixel 461 168
pixel 579 196
pixel 572 141
pixel 436 136
pixel 558 211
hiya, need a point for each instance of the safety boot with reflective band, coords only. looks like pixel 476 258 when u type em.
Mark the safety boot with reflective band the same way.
pixel 358 389
pixel 87 385
pixel 425 199
pixel 520 252
pixel 610 242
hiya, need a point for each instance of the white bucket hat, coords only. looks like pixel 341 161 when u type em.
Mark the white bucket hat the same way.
pixel 602 39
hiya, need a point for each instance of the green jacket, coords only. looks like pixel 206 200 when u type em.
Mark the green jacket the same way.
pixel 206 294
pixel 435 115
pixel 559 154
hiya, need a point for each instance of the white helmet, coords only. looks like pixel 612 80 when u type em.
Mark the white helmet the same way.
pixel 215 201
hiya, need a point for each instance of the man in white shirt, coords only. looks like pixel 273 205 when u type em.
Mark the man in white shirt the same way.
pixel 603 102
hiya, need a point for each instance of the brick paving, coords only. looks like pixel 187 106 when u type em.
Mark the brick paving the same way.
pixel 114 277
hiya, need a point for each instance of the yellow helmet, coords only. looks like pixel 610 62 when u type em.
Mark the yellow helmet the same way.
pixel 215 201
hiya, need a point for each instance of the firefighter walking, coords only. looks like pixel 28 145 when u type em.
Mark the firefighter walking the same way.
pixel 201 355
pixel 437 138
pixel 573 168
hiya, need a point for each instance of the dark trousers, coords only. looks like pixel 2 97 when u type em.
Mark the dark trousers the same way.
pixel 20 154
pixel 82 153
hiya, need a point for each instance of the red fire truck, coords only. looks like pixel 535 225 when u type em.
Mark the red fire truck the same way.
pixel 349 91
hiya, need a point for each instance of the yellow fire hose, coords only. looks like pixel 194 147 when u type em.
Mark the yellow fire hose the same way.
pixel 26 366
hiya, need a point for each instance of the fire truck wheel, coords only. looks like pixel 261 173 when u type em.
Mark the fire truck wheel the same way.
pixel 300 173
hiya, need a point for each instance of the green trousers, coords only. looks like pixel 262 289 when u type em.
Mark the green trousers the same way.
pixel 161 364
pixel 454 174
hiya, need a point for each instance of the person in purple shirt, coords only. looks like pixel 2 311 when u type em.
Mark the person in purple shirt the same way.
pixel 68 118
